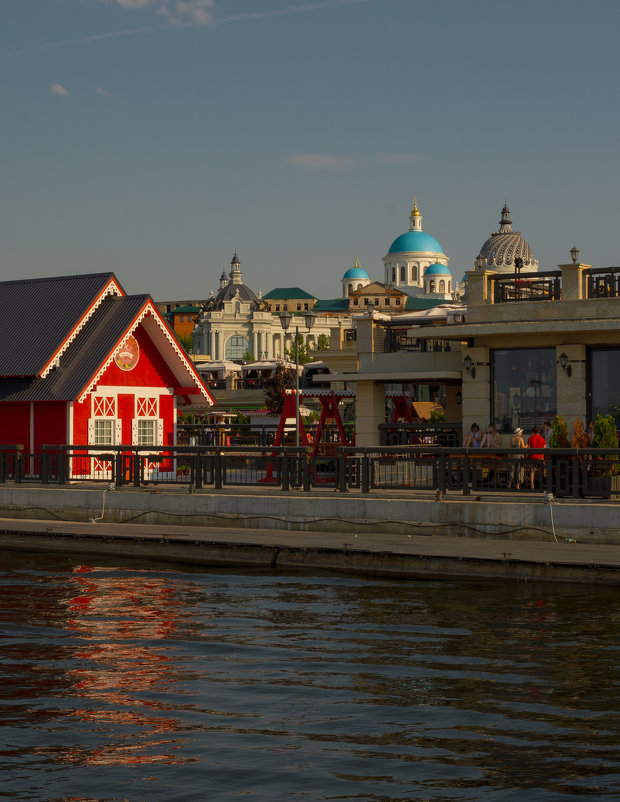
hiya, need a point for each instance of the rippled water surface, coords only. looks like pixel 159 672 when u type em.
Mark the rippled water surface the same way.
pixel 125 683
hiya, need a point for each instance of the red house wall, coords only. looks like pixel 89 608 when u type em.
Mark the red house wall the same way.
pixel 15 425
pixel 50 424
pixel 150 372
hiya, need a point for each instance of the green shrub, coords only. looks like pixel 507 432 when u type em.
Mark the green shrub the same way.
pixel 559 435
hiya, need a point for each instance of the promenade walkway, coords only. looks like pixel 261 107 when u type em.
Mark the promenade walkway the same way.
pixel 396 555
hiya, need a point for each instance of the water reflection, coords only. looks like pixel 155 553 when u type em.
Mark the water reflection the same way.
pixel 279 687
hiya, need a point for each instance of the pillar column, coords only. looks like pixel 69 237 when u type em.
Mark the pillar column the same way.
pixel 572 401
pixel 369 412
pixel 476 389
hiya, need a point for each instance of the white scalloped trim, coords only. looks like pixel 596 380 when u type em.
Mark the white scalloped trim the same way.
pixel 149 310
pixel 111 289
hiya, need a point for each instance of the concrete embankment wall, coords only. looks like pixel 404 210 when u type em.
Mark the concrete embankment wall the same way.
pixel 530 519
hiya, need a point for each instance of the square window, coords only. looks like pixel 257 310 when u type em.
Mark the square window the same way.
pixel 147 433
pixel 103 432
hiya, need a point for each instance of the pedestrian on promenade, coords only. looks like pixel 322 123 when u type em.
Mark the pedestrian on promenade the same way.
pixel 537 441
pixel 547 429
pixel 474 438
pixel 516 441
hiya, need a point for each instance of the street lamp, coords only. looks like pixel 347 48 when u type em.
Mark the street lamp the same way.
pixel 285 322
pixel 480 261
pixel 574 254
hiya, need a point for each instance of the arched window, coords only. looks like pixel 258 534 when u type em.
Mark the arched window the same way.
pixel 236 346
pixel 442 286
pixel 359 286
pixel 449 286
pixel 403 274
pixel 431 286
pixel 350 288
pixel 414 273
pixel 393 275
pixel 237 307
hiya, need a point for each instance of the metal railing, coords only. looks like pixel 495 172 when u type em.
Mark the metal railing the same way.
pixel 603 282
pixel 514 287
pixel 576 473
pixel 415 434
pixel 240 435
pixel 395 341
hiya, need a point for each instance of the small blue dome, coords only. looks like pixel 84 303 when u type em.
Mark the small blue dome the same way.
pixel 356 272
pixel 415 241
pixel 437 270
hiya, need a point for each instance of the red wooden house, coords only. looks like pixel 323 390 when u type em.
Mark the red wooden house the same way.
pixel 83 363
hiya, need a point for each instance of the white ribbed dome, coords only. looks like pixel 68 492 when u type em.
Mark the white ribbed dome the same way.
pixel 505 245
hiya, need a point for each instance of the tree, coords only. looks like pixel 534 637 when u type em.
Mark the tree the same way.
pixel 283 378
pixel 187 342
pixel 247 356
pixel 323 343
pixel 301 348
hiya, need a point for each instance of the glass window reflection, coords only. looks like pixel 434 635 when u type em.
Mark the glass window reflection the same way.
pixel 523 387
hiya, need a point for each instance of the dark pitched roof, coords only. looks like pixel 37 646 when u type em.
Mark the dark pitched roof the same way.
pixel 184 310
pixel 284 293
pixel 29 335
pixel 422 303
pixel 83 358
pixel 332 305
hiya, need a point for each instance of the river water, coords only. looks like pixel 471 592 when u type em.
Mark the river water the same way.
pixel 120 682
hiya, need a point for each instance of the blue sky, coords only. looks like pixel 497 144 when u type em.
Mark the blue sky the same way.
pixel 155 137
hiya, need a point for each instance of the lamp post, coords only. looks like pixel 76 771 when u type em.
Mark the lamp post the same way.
pixel 574 254
pixel 480 261
pixel 285 322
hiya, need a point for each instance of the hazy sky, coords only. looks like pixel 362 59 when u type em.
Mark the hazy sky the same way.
pixel 155 137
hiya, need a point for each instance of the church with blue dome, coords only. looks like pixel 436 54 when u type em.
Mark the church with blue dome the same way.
pixel 354 279
pixel 416 263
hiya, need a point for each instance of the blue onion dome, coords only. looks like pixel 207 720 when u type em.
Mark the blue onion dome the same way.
pixel 356 272
pixel 415 241
pixel 437 269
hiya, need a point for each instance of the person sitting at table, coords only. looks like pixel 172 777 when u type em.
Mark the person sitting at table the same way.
pixel 474 438
pixel 491 438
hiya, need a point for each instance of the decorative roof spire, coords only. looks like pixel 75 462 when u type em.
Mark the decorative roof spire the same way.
pixel 415 218
pixel 236 277
pixel 505 224
pixel 357 264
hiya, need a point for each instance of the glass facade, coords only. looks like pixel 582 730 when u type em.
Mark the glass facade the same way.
pixel 523 387
pixel 237 346
pixel 604 370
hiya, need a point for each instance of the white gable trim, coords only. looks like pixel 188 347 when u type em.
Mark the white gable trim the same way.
pixel 111 288
pixel 149 310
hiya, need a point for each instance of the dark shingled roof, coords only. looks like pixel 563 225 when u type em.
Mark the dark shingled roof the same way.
pixel 415 302
pixel 83 357
pixel 332 305
pixel 286 293
pixel 29 335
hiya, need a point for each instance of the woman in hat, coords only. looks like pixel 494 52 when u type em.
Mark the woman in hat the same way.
pixel 516 441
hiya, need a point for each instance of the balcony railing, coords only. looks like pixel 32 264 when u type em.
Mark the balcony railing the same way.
pixel 514 287
pixel 396 341
pixel 603 282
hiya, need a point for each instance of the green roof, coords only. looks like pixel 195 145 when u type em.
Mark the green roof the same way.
pixel 185 310
pixel 423 303
pixel 332 305
pixel 286 293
